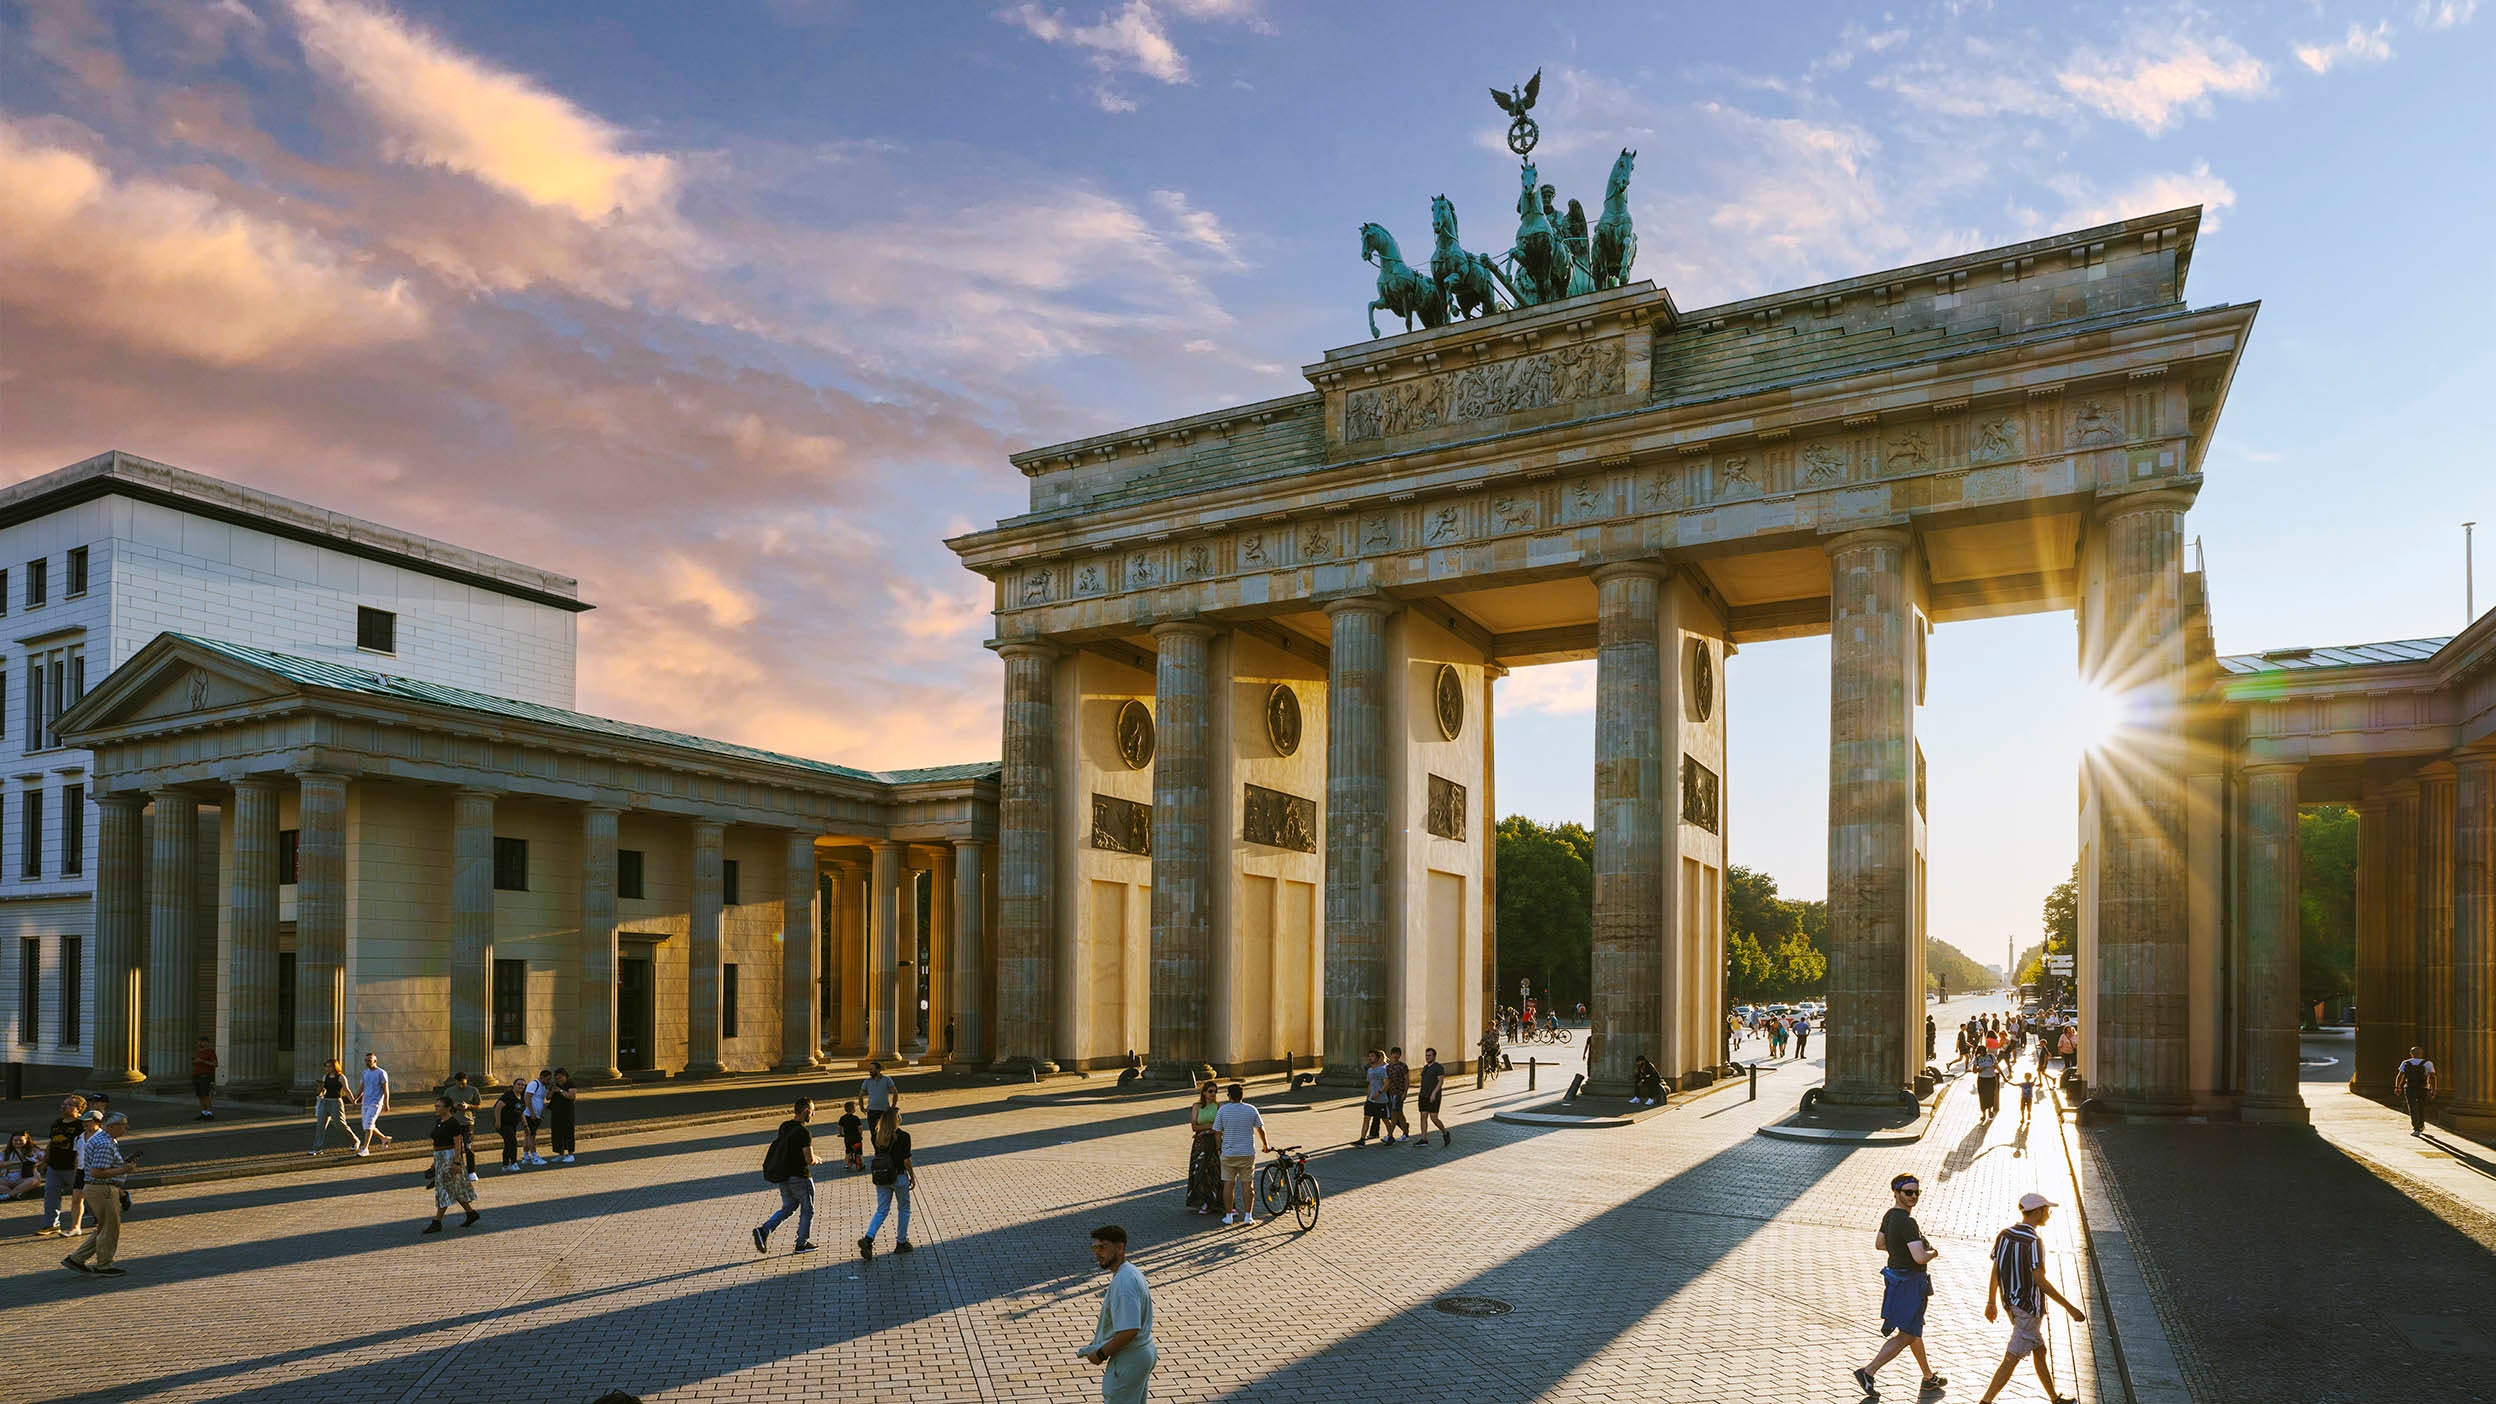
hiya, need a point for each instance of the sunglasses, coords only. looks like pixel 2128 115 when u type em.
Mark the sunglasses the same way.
pixel 1911 1192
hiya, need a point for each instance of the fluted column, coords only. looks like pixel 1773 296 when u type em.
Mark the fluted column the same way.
pixel 120 936
pixel 2273 865
pixel 594 1060
pixel 970 949
pixel 884 953
pixel 2143 953
pixel 942 951
pixel 320 923
pixel 2433 1002
pixel 1182 936
pixel 172 996
pixel 1630 815
pixel 2471 1075
pixel 1871 815
pixel 472 933
pixel 250 1060
pixel 798 1039
pixel 1359 835
pixel 850 946
pixel 2387 954
pixel 702 955
pixel 1026 1024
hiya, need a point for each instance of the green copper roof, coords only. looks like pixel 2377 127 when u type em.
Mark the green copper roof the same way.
pixel 333 677
pixel 2305 660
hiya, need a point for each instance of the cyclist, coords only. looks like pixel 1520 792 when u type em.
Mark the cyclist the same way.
pixel 1490 1054
pixel 1551 1024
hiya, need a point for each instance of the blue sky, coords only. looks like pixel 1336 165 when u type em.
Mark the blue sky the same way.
pixel 735 310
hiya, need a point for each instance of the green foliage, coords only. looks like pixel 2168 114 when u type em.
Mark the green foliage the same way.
pixel 2327 902
pixel 1777 947
pixel 2061 920
pixel 1946 966
pixel 1546 909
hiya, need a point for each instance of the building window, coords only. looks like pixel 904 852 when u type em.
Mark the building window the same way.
pixel 511 864
pixel 289 852
pixel 38 581
pixel 73 990
pixel 4 592
pixel 511 1002
pixel 4 702
pixel 76 582
pixel 728 1001
pixel 55 679
pixel 30 842
pixel 728 882
pixel 628 873
pixel 285 1001
pixel 29 987
pixel 73 830
pixel 376 630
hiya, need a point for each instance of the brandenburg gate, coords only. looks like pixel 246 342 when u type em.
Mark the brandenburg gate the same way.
pixel 1246 806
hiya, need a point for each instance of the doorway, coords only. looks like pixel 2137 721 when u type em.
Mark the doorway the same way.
pixel 635 1013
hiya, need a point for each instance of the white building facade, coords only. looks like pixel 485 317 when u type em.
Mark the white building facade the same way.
pixel 98 559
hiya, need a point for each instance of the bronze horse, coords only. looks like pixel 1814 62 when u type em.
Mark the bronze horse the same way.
pixel 1402 290
pixel 1616 238
pixel 1468 281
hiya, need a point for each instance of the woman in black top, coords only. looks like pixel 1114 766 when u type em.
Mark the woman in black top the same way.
pixel 330 1104
pixel 507 1122
pixel 450 1170
pixel 894 1178
pixel 559 1108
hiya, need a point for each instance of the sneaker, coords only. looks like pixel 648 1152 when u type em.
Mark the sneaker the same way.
pixel 1933 1384
pixel 511 1167
pixel 566 1160
pixel 205 1116
pixel 803 1248
pixel 904 1247
pixel 1446 1139
pixel 1247 1220
pixel 1230 1219
pixel 75 1266
pixel 431 1226
pixel 762 1241
pixel 1863 1381
pixel 866 1249
pixel 362 1151
pixel 48 1231
pixel 125 1272
pixel 473 1216
pixel 315 1154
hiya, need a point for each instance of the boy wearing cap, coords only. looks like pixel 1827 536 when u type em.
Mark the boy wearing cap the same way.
pixel 2018 1282
pixel 1906 1286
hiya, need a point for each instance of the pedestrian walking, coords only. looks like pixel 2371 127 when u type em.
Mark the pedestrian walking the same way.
pixel 330 1100
pixel 1988 1083
pixel 60 1165
pixel 562 1105
pixel 2414 1082
pixel 853 1140
pixel 1433 1084
pixel 2027 1097
pixel 464 1098
pixel 1374 1110
pixel 1242 1133
pixel 1399 1085
pixel 1932 1038
pixel 1204 1153
pixel 894 1178
pixel 532 1115
pixel 449 1177
pixel 100 1158
pixel 2018 1282
pixel 1122 1342
pixel 790 1165
pixel 508 1114
pixel 204 1075
pixel 1802 1036
pixel 1906 1286
pixel 374 1099
pixel 880 1093
pixel 1959 1044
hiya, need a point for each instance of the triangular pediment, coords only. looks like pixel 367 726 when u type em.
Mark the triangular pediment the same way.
pixel 172 678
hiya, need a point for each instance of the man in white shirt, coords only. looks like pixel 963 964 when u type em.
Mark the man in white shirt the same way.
pixel 375 1100
pixel 1122 1343
pixel 1242 1133
pixel 532 1111
pixel 2414 1083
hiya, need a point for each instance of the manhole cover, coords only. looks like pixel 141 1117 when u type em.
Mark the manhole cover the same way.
pixel 1472 1306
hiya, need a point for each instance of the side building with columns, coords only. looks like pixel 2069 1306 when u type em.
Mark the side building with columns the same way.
pixel 460 881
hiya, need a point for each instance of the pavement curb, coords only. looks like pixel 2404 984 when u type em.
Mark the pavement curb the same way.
pixel 1605 1121
pixel 2144 1359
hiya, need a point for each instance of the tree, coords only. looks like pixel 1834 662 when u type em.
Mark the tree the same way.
pixel 1546 909
pixel 1777 947
pixel 1947 965
pixel 2061 920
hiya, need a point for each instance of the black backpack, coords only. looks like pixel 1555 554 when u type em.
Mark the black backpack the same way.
pixel 885 1169
pixel 776 1167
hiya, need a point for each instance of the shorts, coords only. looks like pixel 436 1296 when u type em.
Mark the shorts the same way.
pixel 201 1082
pixel 372 1113
pixel 1429 1106
pixel 1238 1167
pixel 1374 1111
pixel 2027 1332
pixel 532 1121
pixel 1903 1298
pixel 1395 1107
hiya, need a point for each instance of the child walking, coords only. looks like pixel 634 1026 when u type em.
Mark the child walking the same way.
pixel 853 1149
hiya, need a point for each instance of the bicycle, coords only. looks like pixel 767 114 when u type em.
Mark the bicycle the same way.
pixel 1286 1180
pixel 1551 1035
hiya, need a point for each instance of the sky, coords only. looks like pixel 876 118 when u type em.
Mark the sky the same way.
pixel 734 311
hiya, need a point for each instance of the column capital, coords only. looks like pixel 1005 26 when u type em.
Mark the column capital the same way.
pixel 1360 604
pixel 880 847
pixel 266 783
pixel 2473 760
pixel 611 810
pixel 1861 537
pixel 2271 767
pixel 309 774
pixel 1184 629
pixel 1621 570
pixel 1025 648
pixel 2406 788
pixel 962 844
pixel 477 792
pixel 2164 498
pixel 713 827
pixel 129 801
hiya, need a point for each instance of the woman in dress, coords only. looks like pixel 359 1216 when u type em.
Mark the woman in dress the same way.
pixel 450 1168
pixel 560 1097
pixel 1204 1156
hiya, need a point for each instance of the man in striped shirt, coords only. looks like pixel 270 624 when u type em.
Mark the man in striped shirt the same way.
pixel 2018 1282
pixel 100 1156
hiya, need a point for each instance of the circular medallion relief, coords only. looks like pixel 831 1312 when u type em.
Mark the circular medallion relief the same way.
pixel 1135 734
pixel 1282 719
pixel 1702 680
pixel 1448 696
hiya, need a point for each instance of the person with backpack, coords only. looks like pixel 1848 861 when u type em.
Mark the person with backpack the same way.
pixel 2414 1083
pixel 894 1178
pixel 790 1165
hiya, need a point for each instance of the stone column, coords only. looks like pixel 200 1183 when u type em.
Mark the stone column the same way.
pixel 970 949
pixel 1359 835
pixel 850 940
pixel 884 953
pixel 941 952
pixel 702 954
pixel 472 934
pixel 2387 939
pixel 2434 999
pixel 250 1062
pixel 1490 866
pixel 1871 816
pixel 798 1040
pixel 1182 937
pixel 2470 1078
pixel 2143 955
pixel 120 936
pixel 172 995
pixel 320 924
pixel 596 1060
pixel 1027 862
pixel 1630 818
pixel 2273 866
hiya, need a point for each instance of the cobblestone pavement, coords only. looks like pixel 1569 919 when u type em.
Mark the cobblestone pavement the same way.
pixel 2342 1267
pixel 1682 1258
